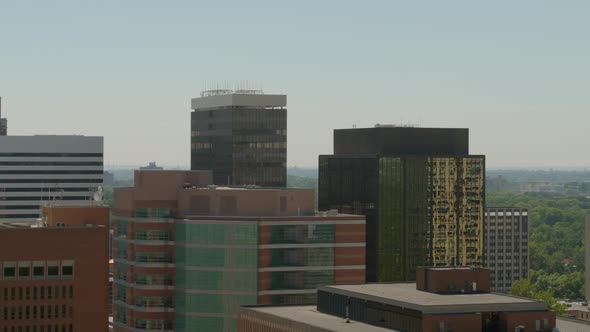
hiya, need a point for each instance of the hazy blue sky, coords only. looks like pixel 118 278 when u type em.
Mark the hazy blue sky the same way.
pixel 516 73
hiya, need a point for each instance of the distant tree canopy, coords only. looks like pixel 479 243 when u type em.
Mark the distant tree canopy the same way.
pixel 526 288
pixel 556 242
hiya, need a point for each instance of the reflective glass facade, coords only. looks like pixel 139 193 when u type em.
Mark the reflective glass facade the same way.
pixel 216 271
pixel 421 210
pixel 242 145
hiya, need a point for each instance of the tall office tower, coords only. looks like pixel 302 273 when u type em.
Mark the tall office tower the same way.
pixel 241 136
pixel 3 122
pixel 188 254
pixel 420 190
pixel 35 170
pixel 55 277
pixel 506 246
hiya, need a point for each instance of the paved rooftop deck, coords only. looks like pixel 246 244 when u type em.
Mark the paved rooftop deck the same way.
pixel 405 295
pixel 308 315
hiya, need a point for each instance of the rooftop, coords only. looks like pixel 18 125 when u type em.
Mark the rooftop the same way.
pixel 239 98
pixel 571 325
pixel 7 225
pixel 15 225
pixel 405 295
pixel 308 315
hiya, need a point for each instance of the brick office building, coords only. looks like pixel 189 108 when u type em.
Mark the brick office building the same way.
pixel 443 299
pixel 55 278
pixel 187 253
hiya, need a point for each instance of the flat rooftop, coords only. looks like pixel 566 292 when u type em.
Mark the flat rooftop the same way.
pixel 406 295
pixel 571 325
pixel 15 224
pixel 309 316
pixel 319 217
pixel 10 225
pixel 239 99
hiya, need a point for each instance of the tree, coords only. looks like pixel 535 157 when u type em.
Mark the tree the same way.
pixel 523 288
pixel 526 288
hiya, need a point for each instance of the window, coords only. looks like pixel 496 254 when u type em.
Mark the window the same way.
pixel 546 322
pixel 67 269
pixel 9 271
pixel 537 325
pixel 24 270
pixel 71 291
pixel 56 292
pixel 49 292
pixel 42 292
pixel 52 270
pixel 27 293
pixel 38 270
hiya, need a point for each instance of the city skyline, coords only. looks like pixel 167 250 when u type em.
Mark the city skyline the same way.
pixel 513 74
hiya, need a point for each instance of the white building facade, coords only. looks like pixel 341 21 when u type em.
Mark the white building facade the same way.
pixel 37 170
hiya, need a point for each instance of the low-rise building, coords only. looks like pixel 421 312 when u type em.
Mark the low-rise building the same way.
pixel 55 277
pixel 443 299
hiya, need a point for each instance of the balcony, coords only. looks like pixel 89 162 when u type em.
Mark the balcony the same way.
pixel 153 324
pixel 142 279
pixel 153 302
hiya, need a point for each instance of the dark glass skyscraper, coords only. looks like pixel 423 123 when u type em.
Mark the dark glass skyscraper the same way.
pixel 241 136
pixel 420 190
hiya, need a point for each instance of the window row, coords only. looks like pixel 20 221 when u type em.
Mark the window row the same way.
pixel 37 312
pixel 37 270
pixel 39 328
pixel 38 292
pixel 152 235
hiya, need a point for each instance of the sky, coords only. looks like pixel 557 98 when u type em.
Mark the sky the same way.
pixel 516 73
